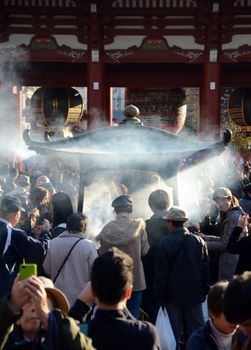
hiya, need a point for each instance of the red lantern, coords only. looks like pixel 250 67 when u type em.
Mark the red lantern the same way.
pixel 239 108
pixel 57 107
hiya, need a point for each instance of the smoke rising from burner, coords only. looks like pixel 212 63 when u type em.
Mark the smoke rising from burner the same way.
pixel 120 155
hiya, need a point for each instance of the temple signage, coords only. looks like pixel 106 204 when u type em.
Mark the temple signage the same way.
pixel 160 108
pixel 154 3
pixel 41 3
pixel 242 3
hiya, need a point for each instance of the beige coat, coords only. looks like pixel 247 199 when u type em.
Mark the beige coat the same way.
pixel 76 271
pixel 227 261
pixel 128 235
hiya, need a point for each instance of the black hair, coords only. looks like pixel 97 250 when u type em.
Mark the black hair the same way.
pixel 111 276
pixel 159 199
pixel 215 299
pixel 76 223
pixel 37 196
pixel 246 190
pixel 61 207
pixel 192 229
pixel 237 305
pixel 177 223
pixel 13 172
pixel 123 209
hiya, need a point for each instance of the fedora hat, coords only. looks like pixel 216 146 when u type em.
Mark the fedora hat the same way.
pixel 176 214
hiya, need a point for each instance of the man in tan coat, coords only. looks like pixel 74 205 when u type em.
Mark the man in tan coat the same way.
pixel 128 235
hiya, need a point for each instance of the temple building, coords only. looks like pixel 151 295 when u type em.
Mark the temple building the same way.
pixel 154 49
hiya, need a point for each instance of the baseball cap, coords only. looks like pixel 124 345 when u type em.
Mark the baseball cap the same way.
pixel 58 296
pixel 122 201
pixel 11 205
pixel 222 192
pixel 176 214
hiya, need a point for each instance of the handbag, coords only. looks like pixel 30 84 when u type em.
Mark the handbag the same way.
pixel 65 259
pixel 165 331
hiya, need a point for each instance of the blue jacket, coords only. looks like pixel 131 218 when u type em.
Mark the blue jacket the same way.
pixel 22 248
pixel 202 339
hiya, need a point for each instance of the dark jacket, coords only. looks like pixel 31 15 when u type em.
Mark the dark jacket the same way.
pixel 245 203
pixel 63 333
pixel 22 248
pixel 156 229
pixel 202 339
pixel 182 268
pixel 116 329
pixel 241 247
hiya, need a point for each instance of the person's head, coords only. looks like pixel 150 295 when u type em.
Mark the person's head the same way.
pixel 30 321
pixel 45 182
pixel 247 191
pixel 193 227
pixel 11 209
pixel 176 217
pixel 76 223
pixel 237 305
pixel 61 208
pixel 112 277
pixel 39 197
pixel 223 198
pixel 159 200
pixel 24 181
pixel 215 303
pixel 13 173
pixel 122 204
pixel 41 180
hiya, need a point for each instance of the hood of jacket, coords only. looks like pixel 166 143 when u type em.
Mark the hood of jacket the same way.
pixel 121 230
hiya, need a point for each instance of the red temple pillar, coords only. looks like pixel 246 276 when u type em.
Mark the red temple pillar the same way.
pixel 210 97
pixel 96 95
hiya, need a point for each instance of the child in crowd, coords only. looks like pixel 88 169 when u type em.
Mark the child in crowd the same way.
pixel 237 308
pixel 217 333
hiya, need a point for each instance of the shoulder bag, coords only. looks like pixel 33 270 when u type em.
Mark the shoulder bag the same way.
pixel 65 259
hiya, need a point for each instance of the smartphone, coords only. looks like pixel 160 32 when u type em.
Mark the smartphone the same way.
pixel 27 270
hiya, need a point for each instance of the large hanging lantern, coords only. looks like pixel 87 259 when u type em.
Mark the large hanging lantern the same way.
pixel 160 108
pixel 239 108
pixel 57 107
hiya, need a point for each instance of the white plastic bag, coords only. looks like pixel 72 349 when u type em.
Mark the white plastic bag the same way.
pixel 164 328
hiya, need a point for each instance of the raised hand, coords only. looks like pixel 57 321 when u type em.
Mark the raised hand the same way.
pixel 19 295
pixel 37 293
pixel 243 220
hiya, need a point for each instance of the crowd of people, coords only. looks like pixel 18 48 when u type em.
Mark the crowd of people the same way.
pixel 103 290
